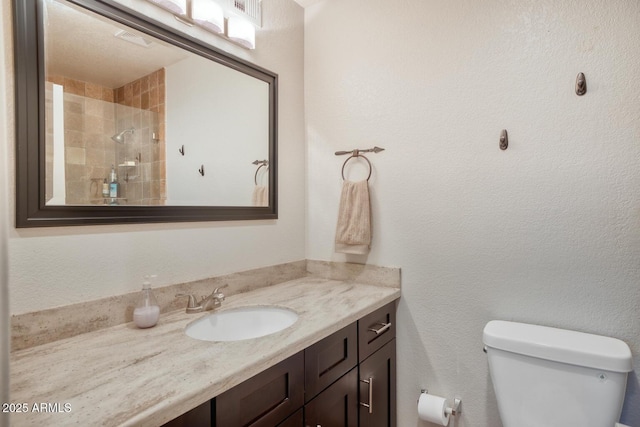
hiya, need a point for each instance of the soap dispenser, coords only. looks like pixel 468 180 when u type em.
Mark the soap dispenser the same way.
pixel 147 312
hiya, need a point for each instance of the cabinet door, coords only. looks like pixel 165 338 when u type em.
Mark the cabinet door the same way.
pixel 265 399
pixel 337 406
pixel 329 359
pixel 378 388
pixel 295 420
pixel 376 329
pixel 197 417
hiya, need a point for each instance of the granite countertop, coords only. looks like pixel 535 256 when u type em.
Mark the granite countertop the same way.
pixel 145 377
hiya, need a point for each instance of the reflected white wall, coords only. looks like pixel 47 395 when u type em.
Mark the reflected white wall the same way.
pixel 225 130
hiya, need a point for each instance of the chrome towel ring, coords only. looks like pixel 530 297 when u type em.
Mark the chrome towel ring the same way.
pixel 262 163
pixel 357 153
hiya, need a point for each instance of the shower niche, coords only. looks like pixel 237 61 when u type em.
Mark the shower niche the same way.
pixel 96 130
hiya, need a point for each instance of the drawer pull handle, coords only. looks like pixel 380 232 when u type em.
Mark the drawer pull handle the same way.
pixel 370 404
pixel 384 327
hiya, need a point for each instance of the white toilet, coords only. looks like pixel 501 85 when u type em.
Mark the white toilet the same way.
pixel 548 377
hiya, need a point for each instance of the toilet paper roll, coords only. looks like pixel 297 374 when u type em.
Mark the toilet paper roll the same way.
pixel 433 409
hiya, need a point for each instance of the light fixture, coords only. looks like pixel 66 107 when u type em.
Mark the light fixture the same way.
pixel 241 31
pixel 208 14
pixel 177 7
pixel 242 16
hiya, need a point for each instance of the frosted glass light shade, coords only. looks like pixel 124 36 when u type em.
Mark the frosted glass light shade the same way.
pixel 177 7
pixel 208 14
pixel 241 31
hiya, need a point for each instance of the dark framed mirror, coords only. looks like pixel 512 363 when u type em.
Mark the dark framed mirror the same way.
pixel 122 119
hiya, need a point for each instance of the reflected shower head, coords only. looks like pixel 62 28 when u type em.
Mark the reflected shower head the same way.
pixel 119 137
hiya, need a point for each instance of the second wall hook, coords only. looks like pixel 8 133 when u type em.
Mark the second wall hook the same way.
pixel 504 140
pixel 181 150
pixel 581 84
pixel 201 170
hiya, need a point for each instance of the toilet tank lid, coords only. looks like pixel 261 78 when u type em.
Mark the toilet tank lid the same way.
pixel 559 345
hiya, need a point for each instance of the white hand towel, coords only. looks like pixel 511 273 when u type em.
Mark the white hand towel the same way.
pixel 260 195
pixel 353 232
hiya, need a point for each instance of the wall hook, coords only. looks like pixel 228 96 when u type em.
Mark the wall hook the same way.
pixel 201 170
pixel 181 150
pixel 504 140
pixel 581 84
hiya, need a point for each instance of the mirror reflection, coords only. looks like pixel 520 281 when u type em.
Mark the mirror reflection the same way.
pixel 132 120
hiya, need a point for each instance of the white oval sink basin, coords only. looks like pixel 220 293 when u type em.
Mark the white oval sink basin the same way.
pixel 241 323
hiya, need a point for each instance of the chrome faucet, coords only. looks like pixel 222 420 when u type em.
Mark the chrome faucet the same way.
pixel 211 302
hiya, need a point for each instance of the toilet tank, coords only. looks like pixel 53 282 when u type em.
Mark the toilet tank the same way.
pixel 548 377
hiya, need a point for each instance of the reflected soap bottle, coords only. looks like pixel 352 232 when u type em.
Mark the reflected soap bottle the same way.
pixel 147 312
pixel 105 188
pixel 113 183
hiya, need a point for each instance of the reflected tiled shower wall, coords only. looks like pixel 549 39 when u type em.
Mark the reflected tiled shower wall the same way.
pixel 89 121
pixel 92 115
pixel 141 105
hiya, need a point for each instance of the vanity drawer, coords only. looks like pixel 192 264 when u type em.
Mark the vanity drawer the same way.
pixel 329 359
pixel 376 329
pixel 265 399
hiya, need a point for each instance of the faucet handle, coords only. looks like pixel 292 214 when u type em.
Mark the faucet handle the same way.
pixel 217 294
pixel 192 306
pixel 215 291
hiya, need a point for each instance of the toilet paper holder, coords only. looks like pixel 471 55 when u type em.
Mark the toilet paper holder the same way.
pixel 453 410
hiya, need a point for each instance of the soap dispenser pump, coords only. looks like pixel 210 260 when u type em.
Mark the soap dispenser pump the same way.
pixel 147 312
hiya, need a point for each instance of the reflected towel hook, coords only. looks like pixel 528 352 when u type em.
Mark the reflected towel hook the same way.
pixel 201 170
pixel 181 150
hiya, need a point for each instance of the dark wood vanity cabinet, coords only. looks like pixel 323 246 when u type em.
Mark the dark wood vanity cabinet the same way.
pixel 264 400
pixel 378 388
pixel 329 359
pixel 295 420
pixel 375 330
pixel 366 396
pixel 331 380
pixel 348 379
pixel 197 417
pixel 377 367
pixel 337 406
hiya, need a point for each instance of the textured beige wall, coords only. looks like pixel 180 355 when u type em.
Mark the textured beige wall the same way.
pixel 546 232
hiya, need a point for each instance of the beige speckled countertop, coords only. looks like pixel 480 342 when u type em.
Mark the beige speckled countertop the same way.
pixel 145 377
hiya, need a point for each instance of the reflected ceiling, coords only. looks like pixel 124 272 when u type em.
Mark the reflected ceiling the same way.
pixel 100 61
